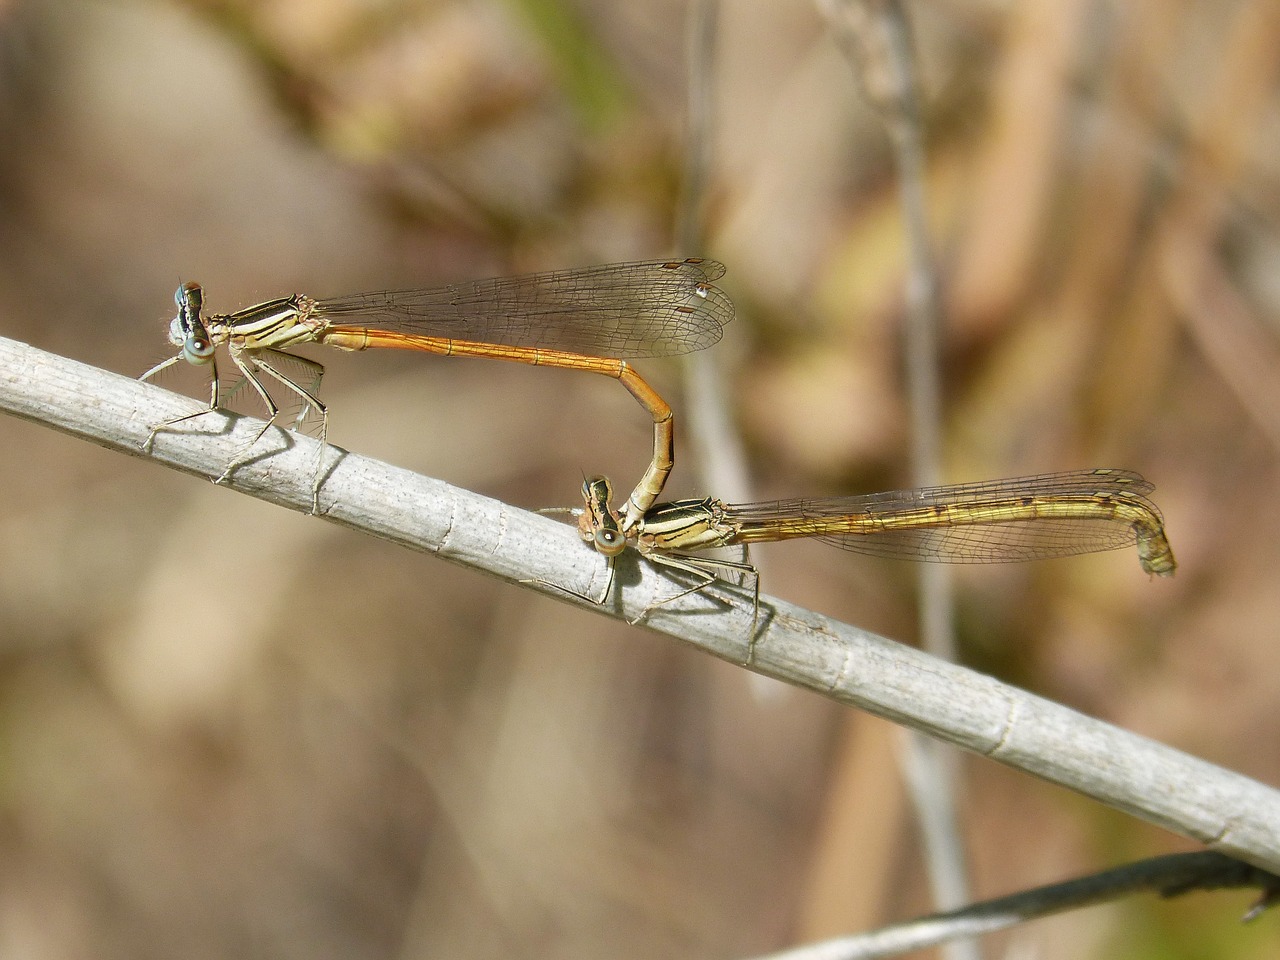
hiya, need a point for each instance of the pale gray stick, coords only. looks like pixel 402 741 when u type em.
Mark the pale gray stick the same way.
pixel 1226 811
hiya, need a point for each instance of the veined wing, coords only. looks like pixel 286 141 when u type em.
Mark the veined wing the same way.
pixel 645 309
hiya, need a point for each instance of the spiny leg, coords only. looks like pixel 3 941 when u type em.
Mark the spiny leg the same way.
pixel 597 601
pixel 250 363
pixel 247 365
pixel 698 566
pixel 310 401
pixel 166 424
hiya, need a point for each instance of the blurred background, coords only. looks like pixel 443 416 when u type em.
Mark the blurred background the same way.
pixel 230 730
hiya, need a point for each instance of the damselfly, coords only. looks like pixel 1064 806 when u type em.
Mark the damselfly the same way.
pixel 586 319
pixel 1024 518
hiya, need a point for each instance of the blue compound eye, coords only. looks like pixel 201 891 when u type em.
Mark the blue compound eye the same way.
pixel 198 349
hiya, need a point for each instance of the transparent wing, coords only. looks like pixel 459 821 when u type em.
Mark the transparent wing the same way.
pixel 1023 518
pixel 647 309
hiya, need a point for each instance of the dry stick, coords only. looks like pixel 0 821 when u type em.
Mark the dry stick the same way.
pixel 1169 876
pixel 714 439
pixel 1224 810
pixel 876 35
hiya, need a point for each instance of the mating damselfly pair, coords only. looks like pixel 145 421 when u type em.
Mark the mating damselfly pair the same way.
pixel 594 320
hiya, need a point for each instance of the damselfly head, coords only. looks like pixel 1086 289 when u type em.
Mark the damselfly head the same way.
pixel 187 329
pixel 599 524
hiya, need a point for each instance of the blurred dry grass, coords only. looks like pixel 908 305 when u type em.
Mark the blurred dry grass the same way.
pixel 230 731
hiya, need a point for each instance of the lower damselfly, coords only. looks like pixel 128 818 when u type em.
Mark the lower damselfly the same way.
pixel 994 521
